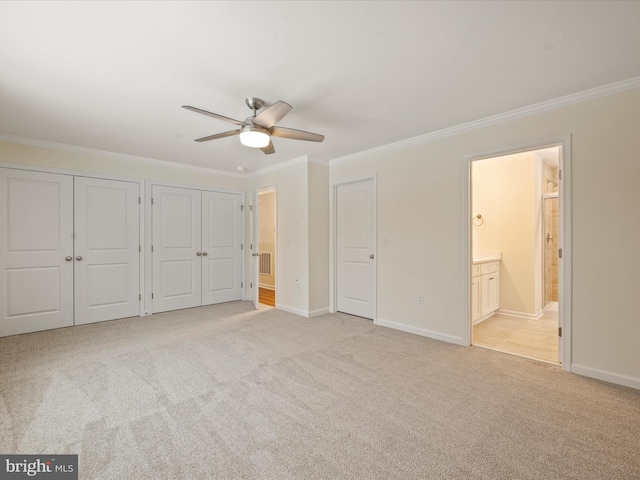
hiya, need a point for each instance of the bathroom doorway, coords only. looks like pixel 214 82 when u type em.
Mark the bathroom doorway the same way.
pixel 267 247
pixel 515 241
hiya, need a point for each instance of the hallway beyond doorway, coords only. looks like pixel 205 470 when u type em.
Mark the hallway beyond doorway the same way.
pixel 267 297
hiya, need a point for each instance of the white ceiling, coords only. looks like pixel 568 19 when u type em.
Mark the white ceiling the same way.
pixel 113 75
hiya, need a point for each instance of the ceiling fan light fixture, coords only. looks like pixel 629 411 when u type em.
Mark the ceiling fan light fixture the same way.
pixel 256 131
pixel 255 137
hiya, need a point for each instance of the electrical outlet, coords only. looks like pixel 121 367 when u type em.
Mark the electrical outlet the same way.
pixel 420 299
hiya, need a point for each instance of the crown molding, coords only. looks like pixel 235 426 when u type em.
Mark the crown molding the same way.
pixel 104 153
pixel 572 99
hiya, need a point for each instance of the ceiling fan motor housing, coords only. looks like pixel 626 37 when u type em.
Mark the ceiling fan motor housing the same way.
pixel 254 103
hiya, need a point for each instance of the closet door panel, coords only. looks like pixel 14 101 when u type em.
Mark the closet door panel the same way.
pixel 176 239
pixel 221 241
pixel 36 280
pixel 107 257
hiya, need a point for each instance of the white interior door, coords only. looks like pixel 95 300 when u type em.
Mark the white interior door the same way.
pixel 36 249
pixel 176 240
pixel 221 247
pixel 355 233
pixel 107 242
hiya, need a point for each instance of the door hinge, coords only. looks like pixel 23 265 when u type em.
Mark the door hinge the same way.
pixel 152 201
pixel 152 296
pixel 251 208
pixel 139 199
pixel 560 174
pixel 139 248
pixel 241 284
pixel 242 208
pixel 140 296
pixel 251 285
pixel 242 246
pixel 559 253
pixel 152 248
pixel 251 246
pixel 559 331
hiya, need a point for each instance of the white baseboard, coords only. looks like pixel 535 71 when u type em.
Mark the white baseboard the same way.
pixel 267 287
pixel 297 311
pixel 420 331
pixel 610 377
pixel 528 316
pixel 482 319
pixel 303 313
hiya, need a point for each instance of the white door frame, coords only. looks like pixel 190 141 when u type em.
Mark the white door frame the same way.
pixel 143 210
pixel 253 273
pixel 564 267
pixel 256 239
pixel 148 184
pixel 333 235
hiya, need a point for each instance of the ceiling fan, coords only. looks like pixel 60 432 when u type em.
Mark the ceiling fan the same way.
pixel 256 131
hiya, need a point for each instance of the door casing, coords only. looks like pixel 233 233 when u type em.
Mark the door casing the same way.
pixel 255 242
pixel 148 271
pixel 76 173
pixel 564 266
pixel 333 232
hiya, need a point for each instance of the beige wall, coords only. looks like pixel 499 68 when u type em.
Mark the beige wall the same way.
pixel 125 167
pixel 292 262
pixel 504 193
pixel 302 212
pixel 318 238
pixel 267 234
pixel 421 208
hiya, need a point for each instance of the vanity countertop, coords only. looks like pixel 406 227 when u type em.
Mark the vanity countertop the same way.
pixel 486 257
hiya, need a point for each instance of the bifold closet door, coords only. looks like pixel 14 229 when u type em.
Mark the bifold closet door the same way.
pixel 221 247
pixel 176 240
pixel 106 253
pixel 36 249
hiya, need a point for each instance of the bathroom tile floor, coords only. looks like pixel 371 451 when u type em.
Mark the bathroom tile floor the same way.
pixel 536 339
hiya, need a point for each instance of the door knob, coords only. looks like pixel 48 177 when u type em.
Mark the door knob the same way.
pixel 371 256
pixel 204 254
pixel 68 259
pixel 198 253
pixel 255 254
pixel 78 258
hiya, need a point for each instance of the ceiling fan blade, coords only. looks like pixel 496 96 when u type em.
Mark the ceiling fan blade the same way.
pixel 230 133
pixel 296 134
pixel 214 115
pixel 273 114
pixel 269 148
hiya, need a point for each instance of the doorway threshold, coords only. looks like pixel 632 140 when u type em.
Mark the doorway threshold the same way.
pixel 517 355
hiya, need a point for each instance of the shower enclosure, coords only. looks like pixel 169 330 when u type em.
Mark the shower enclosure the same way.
pixel 551 250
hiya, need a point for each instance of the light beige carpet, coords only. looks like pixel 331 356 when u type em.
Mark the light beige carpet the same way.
pixel 226 392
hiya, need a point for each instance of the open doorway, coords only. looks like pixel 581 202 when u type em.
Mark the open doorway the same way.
pixel 515 239
pixel 267 247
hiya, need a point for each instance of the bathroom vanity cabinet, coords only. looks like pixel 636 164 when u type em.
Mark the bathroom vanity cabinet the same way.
pixel 485 287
